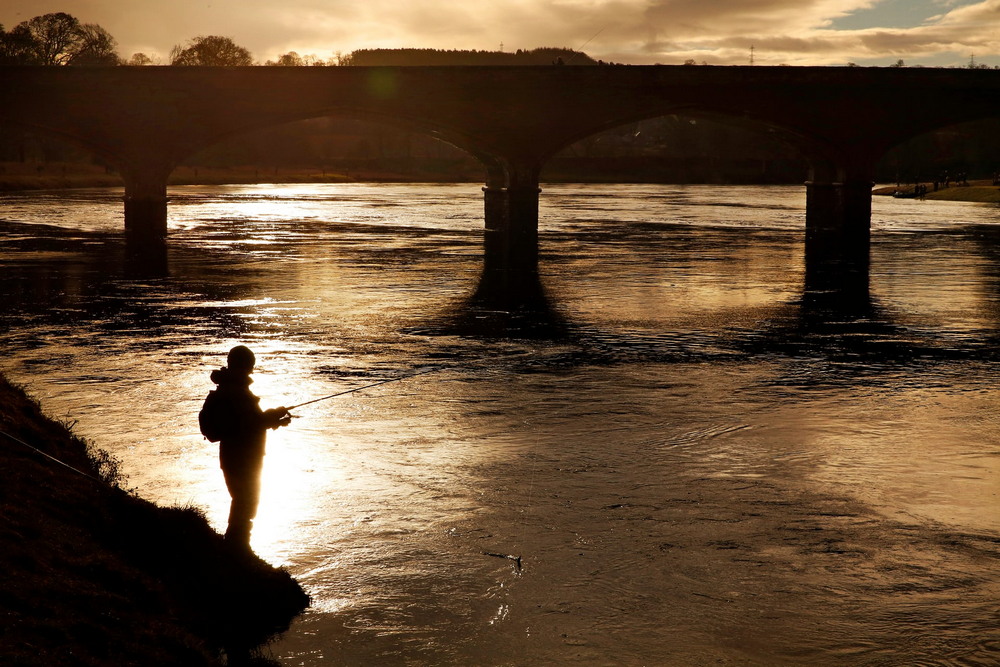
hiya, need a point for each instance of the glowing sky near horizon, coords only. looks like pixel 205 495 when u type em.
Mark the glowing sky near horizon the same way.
pixel 719 32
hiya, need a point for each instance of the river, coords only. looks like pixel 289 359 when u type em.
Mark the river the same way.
pixel 703 468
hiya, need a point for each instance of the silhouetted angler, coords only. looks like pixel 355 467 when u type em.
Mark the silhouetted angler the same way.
pixel 232 415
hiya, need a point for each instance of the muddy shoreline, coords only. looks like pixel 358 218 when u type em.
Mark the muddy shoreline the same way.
pixel 94 575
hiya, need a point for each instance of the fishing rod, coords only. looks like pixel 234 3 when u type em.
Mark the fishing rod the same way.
pixel 367 386
pixel 580 50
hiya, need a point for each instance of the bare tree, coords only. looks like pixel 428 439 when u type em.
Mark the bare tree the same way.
pixel 96 46
pixel 140 60
pixel 211 51
pixel 56 37
pixel 17 47
pixel 290 59
pixel 312 61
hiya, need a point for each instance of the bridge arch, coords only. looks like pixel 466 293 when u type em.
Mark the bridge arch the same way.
pixel 337 142
pixel 924 156
pixel 744 127
pixel 59 134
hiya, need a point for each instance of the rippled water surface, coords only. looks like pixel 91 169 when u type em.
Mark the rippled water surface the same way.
pixel 706 467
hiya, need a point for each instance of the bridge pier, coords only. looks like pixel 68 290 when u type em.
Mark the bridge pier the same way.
pixel 509 280
pixel 838 231
pixel 146 220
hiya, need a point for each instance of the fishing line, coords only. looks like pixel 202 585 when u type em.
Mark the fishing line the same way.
pixel 49 456
pixel 528 499
pixel 431 369
pixel 516 559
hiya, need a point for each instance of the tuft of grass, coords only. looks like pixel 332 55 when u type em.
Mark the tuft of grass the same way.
pixel 108 467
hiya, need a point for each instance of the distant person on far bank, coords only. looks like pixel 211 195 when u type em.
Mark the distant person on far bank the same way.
pixel 232 417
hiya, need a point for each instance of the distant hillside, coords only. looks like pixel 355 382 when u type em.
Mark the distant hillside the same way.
pixel 437 57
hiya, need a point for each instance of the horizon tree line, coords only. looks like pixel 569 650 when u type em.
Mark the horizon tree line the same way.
pixel 59 38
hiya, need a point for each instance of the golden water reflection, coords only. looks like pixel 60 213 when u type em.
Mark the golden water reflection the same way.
pixel 700 458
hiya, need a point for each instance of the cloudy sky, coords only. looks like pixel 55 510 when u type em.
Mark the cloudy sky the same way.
pixel 793 32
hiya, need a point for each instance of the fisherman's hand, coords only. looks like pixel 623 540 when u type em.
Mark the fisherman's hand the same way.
pixel 278 417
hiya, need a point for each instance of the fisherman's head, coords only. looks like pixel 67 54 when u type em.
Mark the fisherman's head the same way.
pixel 241 360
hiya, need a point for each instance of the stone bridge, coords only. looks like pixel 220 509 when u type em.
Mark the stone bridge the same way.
pixel 146 120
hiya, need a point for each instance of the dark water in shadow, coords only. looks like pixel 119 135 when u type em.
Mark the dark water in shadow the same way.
pixel 695 460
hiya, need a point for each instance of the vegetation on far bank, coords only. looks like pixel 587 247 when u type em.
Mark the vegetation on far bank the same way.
pixel 64 175
pixel 90 574
pixel 984 191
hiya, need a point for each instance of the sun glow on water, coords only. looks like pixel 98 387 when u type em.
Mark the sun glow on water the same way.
pixel 290 484
pixel 669 450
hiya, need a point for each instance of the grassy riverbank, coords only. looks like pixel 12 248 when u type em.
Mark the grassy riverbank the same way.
pixel 93 575
pixel 975 191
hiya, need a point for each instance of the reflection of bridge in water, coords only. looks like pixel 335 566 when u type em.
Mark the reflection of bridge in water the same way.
pixel 147 120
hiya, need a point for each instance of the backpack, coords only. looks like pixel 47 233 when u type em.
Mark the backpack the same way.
pixel 215 419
